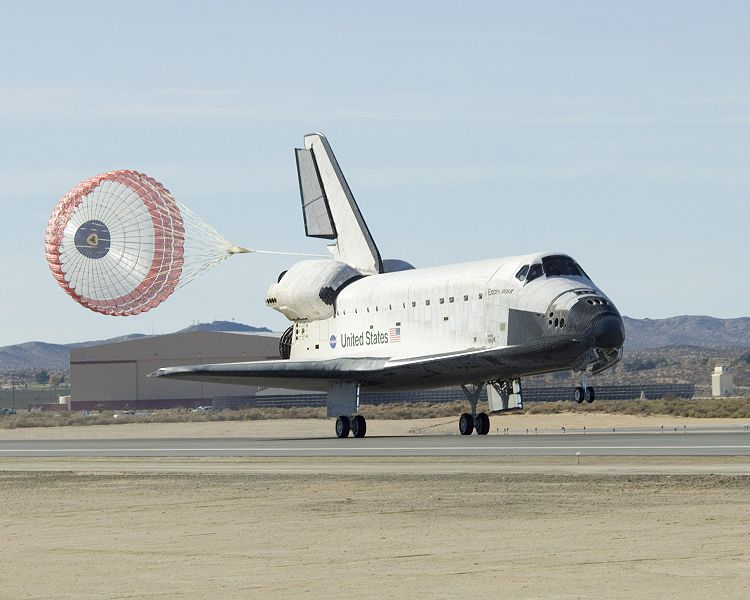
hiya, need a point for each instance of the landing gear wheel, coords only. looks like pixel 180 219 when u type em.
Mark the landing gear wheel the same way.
pixel 342 427
pixel 589 395
pixel 466 424
pixel 359 426
pixel 482 424
pixel 578 394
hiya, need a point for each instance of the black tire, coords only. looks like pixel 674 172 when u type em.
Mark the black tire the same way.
pixel 578 394
pixel 342 427
pixel 589 395
pixel 482 424
pixel 466 424
pixel 359 426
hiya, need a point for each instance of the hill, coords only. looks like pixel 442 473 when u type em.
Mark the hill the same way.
pixel 699 331
pixel 34 355
pixel 225 326
pixel 37 356
pixel 670 364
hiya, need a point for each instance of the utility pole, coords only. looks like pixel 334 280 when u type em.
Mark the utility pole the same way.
pixel 13 390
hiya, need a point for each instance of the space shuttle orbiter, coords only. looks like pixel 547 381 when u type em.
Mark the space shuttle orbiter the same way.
pixel 359 322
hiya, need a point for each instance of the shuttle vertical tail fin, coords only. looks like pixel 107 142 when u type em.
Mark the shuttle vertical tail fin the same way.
pixel 329 208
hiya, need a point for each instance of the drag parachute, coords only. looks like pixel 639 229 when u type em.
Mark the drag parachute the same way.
pixel 120 244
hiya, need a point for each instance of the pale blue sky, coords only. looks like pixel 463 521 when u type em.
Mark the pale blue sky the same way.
pixel 615 131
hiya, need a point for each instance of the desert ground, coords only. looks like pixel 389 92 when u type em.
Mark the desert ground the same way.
pixel 372 528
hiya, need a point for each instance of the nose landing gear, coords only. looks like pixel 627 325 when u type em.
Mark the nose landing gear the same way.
pixel 589 395
pixel 580 394
pixel 584 392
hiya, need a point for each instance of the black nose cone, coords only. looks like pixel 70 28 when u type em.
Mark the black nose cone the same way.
pixel 609 332
pixel 597 321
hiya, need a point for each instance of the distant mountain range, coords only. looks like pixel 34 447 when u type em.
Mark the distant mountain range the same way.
pixel 56 357
pixel 702 332
pixel 641 334
pixel 230 326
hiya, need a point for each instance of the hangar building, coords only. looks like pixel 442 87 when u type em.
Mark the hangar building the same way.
pixel 114 375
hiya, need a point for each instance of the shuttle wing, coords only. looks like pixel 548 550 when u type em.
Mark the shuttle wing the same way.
pixel 387 374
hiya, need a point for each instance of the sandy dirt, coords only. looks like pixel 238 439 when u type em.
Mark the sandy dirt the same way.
pixel 443 527
pixel 385 528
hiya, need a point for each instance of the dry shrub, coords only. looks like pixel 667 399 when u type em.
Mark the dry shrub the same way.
pixel 738 408
pixel 416 410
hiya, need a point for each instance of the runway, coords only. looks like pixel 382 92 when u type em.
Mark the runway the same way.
pixel 722 443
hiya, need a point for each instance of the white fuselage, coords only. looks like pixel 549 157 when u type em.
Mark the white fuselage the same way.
pixel 432 311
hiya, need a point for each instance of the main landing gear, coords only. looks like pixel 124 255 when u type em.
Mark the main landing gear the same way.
pixel 470 422
pixel 342 401
pixel 356 424
pixel 584 392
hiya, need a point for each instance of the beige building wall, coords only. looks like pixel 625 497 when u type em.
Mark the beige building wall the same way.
pixel 722 382
pixel 118 371
pixel 121 379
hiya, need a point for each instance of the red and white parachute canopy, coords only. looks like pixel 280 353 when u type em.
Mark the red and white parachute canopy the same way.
pixel 120 244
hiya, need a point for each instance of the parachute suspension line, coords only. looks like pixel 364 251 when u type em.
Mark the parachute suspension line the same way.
pixel 286 253
pixel 204 246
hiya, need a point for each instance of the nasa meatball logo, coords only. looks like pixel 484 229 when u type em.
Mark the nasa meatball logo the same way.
pixel 333 341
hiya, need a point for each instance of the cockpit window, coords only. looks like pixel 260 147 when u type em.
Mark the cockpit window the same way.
pixel 535 272
pixel 521 275
pixel 561 266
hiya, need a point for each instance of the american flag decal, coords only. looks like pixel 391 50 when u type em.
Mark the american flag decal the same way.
pixel 394 335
